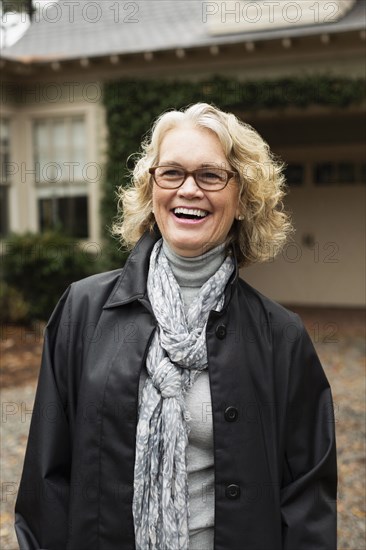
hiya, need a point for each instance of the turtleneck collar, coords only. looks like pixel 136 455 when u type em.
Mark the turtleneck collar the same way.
pixel 194 272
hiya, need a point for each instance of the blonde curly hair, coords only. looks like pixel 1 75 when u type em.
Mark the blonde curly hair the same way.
pixel 265 226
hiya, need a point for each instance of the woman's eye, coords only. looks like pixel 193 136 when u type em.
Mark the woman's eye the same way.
pixel 210 175
pixel 171 173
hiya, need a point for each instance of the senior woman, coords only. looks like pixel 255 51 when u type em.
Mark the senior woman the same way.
pixel 177 407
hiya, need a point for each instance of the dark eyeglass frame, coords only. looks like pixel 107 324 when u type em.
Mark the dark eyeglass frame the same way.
pixel 229 173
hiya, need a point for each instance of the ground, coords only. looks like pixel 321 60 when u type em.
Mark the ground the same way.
pixel 339 338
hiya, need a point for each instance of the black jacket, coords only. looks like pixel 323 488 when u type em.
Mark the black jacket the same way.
pixel 274 443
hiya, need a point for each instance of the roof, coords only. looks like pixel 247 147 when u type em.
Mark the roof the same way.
pixel 69 30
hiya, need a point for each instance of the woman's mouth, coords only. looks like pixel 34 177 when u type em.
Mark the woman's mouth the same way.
pixel 190 214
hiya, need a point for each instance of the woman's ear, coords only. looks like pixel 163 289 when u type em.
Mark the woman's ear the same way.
pixel 238 215
pixel 239 209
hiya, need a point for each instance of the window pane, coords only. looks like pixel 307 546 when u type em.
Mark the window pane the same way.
pixel 78 133
pixel 4 131
pixel 59 136
pixel 67 214
pixel 295 174
pixel 4 150
pixel 3 211
pixel 60 152
pixel 46 170
pixel 47 214
pixel 78 147
pixel 5 168
pixel 78 157
pixel 362 176
pixel 4 176
pixel 346 172
pixel 42 150
pixel 324 174
pixel 41 136
pixel 73 213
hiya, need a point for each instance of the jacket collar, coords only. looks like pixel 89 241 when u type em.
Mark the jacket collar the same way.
pixel 132 282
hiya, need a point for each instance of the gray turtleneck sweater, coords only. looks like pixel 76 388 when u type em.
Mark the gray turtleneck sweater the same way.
pixel 191 274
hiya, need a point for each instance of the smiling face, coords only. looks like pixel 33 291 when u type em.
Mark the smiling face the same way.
pixel 191 220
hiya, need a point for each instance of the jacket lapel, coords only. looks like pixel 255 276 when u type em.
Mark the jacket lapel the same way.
pixel 131 284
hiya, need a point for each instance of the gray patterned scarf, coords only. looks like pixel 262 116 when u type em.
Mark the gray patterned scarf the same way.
pixel 176 356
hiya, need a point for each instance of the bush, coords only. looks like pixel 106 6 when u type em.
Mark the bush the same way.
pixel 13 307
pixel 41 266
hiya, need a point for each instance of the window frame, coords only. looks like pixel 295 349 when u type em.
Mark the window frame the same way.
pixel 310 157
pixel 60 188
pixel 5 182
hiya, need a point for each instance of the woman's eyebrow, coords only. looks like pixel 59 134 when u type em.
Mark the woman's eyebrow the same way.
pixel 171 162
pixel 203 165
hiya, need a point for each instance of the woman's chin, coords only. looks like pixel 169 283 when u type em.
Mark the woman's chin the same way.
pixel 190 247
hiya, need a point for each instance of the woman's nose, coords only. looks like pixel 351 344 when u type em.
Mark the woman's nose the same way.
pixel 189 188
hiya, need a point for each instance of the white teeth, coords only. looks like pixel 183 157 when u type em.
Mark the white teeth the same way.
pixel 191 212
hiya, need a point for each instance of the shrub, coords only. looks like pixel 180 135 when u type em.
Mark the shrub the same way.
pixel 13 307
pixel 41 266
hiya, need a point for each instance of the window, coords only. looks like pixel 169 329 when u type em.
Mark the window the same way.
pixel 4 176
pixel 69 214
pixel 59 158
pixel 363 172
pixel 295 174
pixel 338 173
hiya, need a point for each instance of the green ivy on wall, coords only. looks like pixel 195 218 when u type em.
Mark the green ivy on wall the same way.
pixel 132 106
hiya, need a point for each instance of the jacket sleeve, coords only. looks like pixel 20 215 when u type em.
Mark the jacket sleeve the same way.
pixel 41 511
pixel 309 488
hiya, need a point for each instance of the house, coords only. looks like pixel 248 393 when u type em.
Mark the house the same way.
pixel 54 131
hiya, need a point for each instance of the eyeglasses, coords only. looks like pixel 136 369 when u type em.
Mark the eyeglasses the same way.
pixel 208 179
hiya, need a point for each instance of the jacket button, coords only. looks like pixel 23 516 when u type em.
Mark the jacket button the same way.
pixel 221 332
pixel 232 491
pixel 231 414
